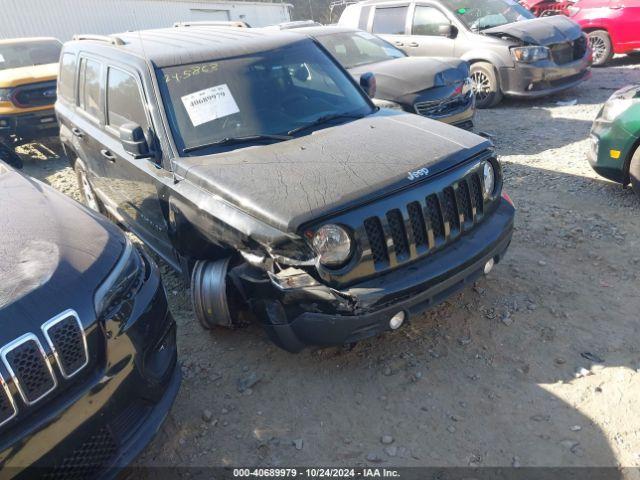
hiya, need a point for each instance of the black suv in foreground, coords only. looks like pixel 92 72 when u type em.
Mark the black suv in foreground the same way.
pixel 253 163
pixel 87 345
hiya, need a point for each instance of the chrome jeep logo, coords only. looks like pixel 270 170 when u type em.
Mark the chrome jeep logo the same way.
pixel 423 172
pixel 49 93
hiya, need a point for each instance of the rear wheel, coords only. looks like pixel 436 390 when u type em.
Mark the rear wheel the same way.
pixel 634 171
pixel 485 85
pixel 601 45
pixel 87 193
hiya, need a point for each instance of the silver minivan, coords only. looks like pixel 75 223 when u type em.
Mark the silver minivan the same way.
pixel 511 52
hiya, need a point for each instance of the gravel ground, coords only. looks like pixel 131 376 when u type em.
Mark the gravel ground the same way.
pixel 486 379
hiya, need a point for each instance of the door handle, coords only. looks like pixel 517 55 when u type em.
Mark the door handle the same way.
pixel 399 44
pixel 77 132
pixel 108 155
pixel 414 44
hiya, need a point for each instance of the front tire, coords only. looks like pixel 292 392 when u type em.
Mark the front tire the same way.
pixel 486 86
pixel 601 45
pixel 87 193
pixel 210 294
pixel 634 171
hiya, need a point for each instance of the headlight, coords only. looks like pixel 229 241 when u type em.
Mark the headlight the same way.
pixel 615 107
pixel 530 54
pixel 387 104
pixel 489 180
pixel 333 244
pixel 123 282
pixel 5 94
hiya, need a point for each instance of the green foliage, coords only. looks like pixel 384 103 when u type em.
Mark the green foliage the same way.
pixel 317 10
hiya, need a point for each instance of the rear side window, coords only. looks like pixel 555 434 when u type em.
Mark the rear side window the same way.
pixel 124 101
pixel 426 21
pixel 90 87
pixel 67 77
pixel 363 22
pixel 390 20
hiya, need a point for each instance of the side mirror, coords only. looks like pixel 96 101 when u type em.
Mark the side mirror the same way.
pixel 448 31
pixel 368 84
pixel 133 140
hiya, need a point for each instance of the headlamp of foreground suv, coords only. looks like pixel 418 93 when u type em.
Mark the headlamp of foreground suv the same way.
pixel 530 54
pixel 123 282
pixel 333 244
pixel 489 179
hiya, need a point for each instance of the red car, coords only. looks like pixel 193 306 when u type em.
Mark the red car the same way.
pixel 613 26
pixel 544 8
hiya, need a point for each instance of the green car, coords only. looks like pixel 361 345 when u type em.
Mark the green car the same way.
pixel 615 138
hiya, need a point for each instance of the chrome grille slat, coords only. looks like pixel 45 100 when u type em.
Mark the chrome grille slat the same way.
pixel 66 338
pixel 29 367
pixel 8 409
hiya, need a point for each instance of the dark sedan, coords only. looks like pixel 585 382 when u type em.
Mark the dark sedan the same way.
pixel 88 365
pixel 437 88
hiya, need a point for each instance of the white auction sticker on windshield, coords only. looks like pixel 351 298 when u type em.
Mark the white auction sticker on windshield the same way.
pixel 210 104
pixel 1 58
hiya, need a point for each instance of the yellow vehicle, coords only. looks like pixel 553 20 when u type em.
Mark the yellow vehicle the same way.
pixel 28 72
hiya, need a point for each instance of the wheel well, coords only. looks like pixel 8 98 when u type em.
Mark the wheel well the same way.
pixel 627 162
pixel 72 155
pixel 594 29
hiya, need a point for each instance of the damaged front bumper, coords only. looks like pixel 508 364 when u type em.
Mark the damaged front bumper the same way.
pixel 296 315
pixel 543 78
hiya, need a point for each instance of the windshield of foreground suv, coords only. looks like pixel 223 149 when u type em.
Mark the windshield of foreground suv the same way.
pixel 261 94
pixel 353 49
pixel 29 53
pixel 481 14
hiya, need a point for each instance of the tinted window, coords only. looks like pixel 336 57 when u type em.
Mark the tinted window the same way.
pixel 390 20
pixel 263 93
pixel 359 48
pixel 29 53
pixel 426 20
pixel 480 14
pixel 124 102
pixel 67 77
pixel 90 79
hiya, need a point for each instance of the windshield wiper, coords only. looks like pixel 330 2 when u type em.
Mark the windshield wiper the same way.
pixel 324 119
pixel 238 140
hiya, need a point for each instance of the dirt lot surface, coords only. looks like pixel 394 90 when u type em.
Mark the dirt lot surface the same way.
pixel 486 379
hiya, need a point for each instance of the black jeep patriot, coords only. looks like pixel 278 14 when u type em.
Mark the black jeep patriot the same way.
pixel 254 164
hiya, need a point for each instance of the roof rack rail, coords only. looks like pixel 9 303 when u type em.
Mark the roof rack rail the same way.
pixel 100 38
pixel 213 23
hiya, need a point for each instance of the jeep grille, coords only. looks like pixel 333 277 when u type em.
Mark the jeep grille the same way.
pixel 30 368
pixel 404 234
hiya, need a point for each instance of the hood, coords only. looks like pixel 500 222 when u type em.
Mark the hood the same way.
pixel 291 183
pixel 539 31
pixel 403 76
pixel 53 254
pixel 14 77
